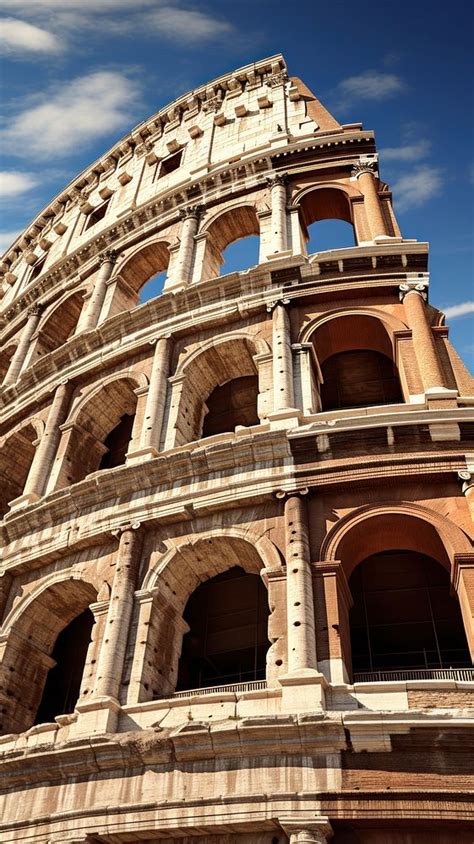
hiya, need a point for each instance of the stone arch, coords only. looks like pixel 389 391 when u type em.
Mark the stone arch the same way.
pixel 332 201
pixel 372 531
pixel 30 631
pixel 198 374
pixel 355 535
pixel 356 351
pixel 222 229
pixel 168 586
pixel 142 264
pixel 17 450
pixel 58 324
pixel 109 407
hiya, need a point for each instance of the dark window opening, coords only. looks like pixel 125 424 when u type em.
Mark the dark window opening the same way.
pixel 96 215
pixel 227 641
pixel 234 403
pixel 117 442
pixel 404 616
pixel 63 682
pixel 359 378
pixel 169 164
pixel 38 268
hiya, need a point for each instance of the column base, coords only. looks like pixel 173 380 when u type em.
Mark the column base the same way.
pixel 23 501
pixel 334 670
pixel 287 417
pixel 171 286
pixel 149 452
pixel 303 690
pixel 96 717
pixel 275 256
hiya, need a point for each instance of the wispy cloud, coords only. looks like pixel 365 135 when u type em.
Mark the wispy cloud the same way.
pixel 83 109
pixel 416 187
pixel 460 310
pixel 188 24
pixel 370 85
pixel 7 238
pixel 19 37
pixel 14 183
pixel 407 152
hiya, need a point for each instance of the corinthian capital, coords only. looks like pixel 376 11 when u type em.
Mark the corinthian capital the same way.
pixel 361 167
pixel 277 179
pixel 191 212
pixel 108 257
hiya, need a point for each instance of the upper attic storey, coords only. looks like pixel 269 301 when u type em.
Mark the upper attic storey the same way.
pixel 220 140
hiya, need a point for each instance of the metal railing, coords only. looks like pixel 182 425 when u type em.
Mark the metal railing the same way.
pixel 252 686
pixel 460 674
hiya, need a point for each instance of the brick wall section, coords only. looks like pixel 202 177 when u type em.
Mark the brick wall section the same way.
pixel 440 699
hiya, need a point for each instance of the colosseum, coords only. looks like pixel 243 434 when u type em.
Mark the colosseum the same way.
pixel 237 577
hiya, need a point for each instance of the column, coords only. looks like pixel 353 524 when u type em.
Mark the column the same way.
pixel 45 453
pixel 299 588
pixel 184 262
pixel 414 298
pixel 462 578
pixel 97 297
pixel 114 644
pixel 283 391
pixel 156 398
pixel 310 831
pixel 365 175
pixel 18 359
pixel 277 186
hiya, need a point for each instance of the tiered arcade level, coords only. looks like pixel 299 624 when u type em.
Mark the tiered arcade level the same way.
pixel 237 563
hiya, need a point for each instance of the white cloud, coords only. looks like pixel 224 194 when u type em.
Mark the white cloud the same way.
pixel 19 36
pixel 408 152
pixel 32 6
pixel 415 188
pixel 187 24
pixel 370 85
pixel 7 238
pixel 462 309
pixel 13 183
pixel 80 111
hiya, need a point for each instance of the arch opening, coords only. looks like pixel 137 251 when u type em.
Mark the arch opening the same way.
pixel 403 615
pixel 103 431
pixel 240 254
pixel 142 275
pixel 59 326
pixel 231 404
pixel 227 639
pixel 63 683
pixel 358 369
pixel 327 220
pixel 231 227
pixel 16 456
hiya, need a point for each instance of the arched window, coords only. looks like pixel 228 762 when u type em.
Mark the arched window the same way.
pixel 404 616
pixel 231 226
pixel 360 378
pixel 16 456
pixel 140 278
pixel 227 640
pixel 58 327
pixel 63 682
pixel 234 403
pixel 355 356
pixel 326 219
pixel 101 437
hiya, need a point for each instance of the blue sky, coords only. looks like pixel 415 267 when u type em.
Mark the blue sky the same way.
pixel 77 74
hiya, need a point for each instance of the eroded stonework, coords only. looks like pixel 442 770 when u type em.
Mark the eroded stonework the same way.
pixel 237 577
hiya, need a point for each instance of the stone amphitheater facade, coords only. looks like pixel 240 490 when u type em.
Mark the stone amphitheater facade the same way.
pixel 230 435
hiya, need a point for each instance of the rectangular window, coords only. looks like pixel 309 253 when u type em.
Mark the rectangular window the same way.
pixel 38 268
pixel 167 165
pixel 96 215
